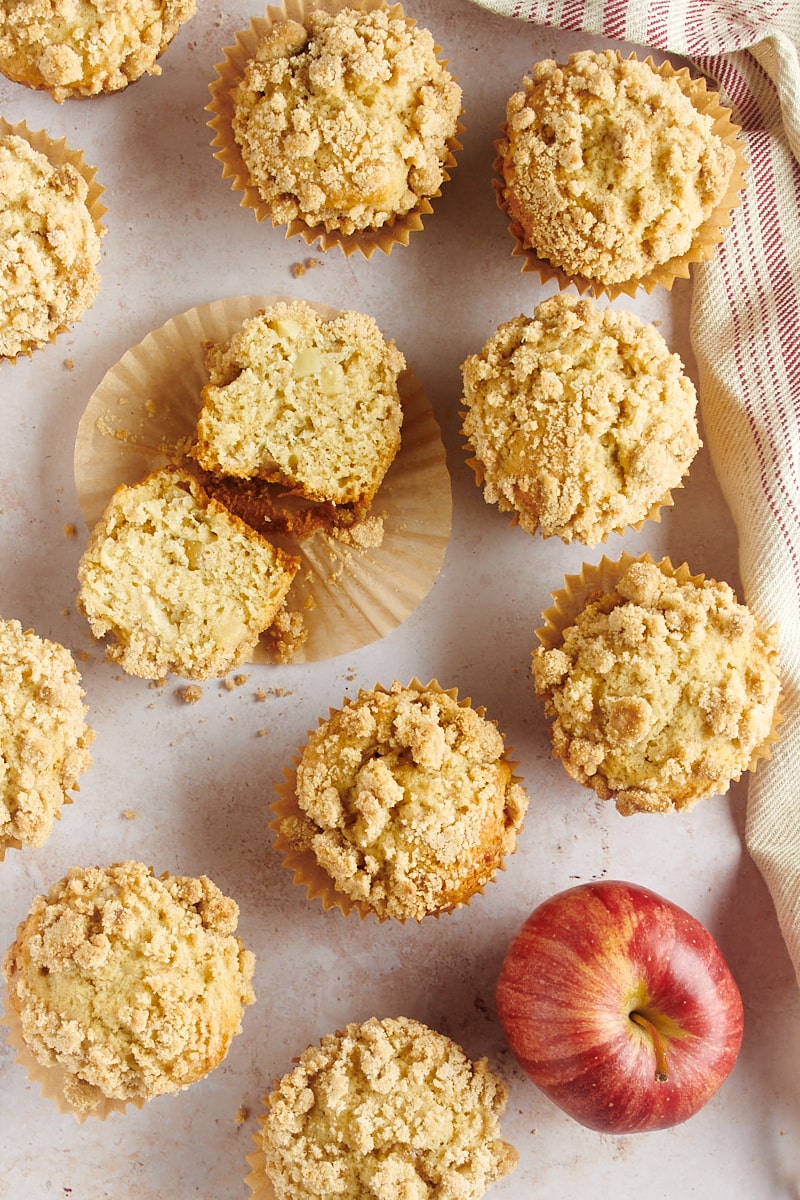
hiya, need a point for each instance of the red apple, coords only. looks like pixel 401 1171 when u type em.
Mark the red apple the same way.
pixel 620 1007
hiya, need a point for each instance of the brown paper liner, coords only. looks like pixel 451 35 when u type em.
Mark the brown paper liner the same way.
pixel 708 235
pixel 143 415
pixel 58 152
pixel 257 1180
pixel 50 1079
pixel 396 231
pixel 303 864
pixel 594 581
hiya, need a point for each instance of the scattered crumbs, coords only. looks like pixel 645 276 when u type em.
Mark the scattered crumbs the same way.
pixel 235 682
pixel 84 656
pixel 366 534
pixel 152 704
pixel 261 694
pixel 261 733
pixel 69 530
pixel 191 693
pixel 242 1115
pixel 129 814
pixel 69 364
pixel 299 268
pixel 65 612
pixel 156 684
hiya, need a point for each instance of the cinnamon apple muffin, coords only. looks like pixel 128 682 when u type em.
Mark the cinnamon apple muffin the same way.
pixel 181 584
pixel 385 1108
pixel 44 737
pixel 127 985
pixel 87 46
pixel 611 166
pixel 345 121
pixel 662 689
pixel 49 246
pixel 580 419
pixel 405 801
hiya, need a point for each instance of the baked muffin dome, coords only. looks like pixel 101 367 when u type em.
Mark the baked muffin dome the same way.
pixel 44 737
pixel 406 800
pixel 307 401
pixel 344 120
pixel 385 1108
pixel 608 166
pixel 130 985
pixel 87 46
pixel 661 690
pixel 181 584
pixel 579 418
pixel 49 246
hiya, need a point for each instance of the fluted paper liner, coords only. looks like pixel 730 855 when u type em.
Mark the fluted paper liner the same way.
pixel 50 1079
pixel 258 1180
pixel 58 152
pixel 303 864
pixel 598 579
pixel 708 235
pixel 397 230
pixel 143 416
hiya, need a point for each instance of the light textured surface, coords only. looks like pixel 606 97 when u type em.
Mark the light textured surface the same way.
pixel 195 780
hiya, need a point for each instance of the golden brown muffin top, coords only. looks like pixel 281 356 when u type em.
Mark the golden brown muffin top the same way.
pixel 579 418
pixel 661 692
pixel 610 169
pixel 43 733
pixel 75 48
pixel 49 247
pixel 133 985
pixel 407 800
pixel 386 1108
pixel 344 121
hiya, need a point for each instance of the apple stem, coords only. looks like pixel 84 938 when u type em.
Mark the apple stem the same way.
pixel 662 1074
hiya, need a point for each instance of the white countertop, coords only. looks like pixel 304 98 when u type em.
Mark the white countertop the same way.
pixel 200 778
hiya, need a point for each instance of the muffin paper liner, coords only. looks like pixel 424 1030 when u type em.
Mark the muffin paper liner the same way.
pixel 396 231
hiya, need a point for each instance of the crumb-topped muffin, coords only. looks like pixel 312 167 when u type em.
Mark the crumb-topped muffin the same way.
pixel 87 46
pixel 406 800
pixel 180 583
pixel 303 400
pixel 44 737
pixel 662 690
pixel 386 1108
pixel 49 246
pixel 609 167
pixel 345 120
pixel 127 984
pixel 579 418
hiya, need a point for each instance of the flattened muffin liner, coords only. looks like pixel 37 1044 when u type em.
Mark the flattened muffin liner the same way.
pixel 397 230
pixel 303 864
pixel 596 580
pixel 50 1079
pixel 58 152
pixel 143 415
pixel 706 238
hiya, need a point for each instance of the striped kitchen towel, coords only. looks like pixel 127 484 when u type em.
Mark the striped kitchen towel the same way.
pixel 745 329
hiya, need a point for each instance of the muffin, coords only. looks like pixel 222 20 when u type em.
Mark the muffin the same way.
pixel 50 234
pixel 44 737
pixel 616 171
pixel 579 419
pixel 340 125
pixel 662 688
pixel 123 985
pixel 180 583
pixel 87 46
pixel 386 1108
pixel 307 402
pixel 403 804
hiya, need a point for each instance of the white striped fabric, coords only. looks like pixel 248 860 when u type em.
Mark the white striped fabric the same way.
pixel 745 325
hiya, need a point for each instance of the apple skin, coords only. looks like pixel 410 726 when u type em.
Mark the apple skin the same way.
pixel 580 965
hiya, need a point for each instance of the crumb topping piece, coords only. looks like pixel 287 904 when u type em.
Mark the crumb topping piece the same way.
pixel 49 247
pixel 579 418
pixel 133 985
pixel 407 800
pixel 83 47
pixel 345 120
pixel 609 167
pixel 661 692
pixel 385 1109
pixel 44 737
pixel 305 401
pixel 181 584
